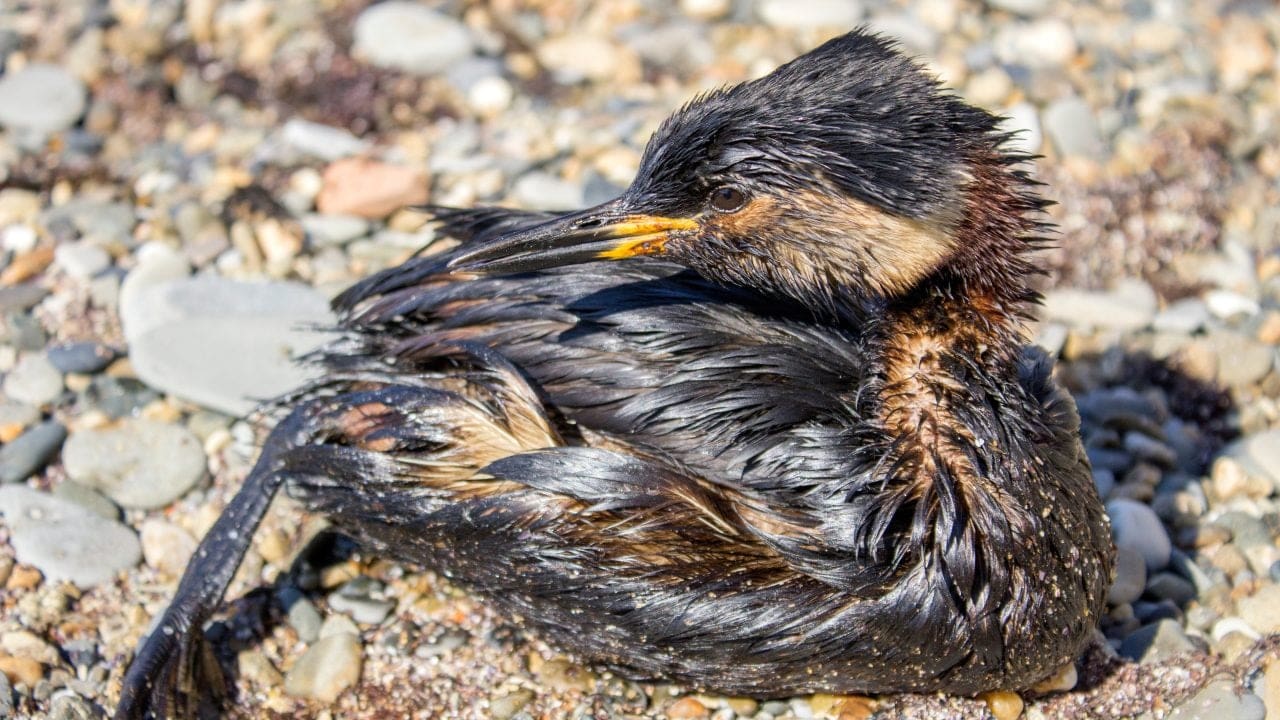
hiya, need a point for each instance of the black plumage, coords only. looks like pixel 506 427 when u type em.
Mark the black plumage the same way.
pixel 793 442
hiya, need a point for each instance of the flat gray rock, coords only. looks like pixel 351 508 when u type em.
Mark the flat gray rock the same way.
pixel 30 451
pixel 1259 454
pixel 139 463
pixel 1136 526
pixel 41 98
pixel 410 37
pixel 1130 306
pixel 222 343
pixel 321 141
pixel 34 380
pixel 65 541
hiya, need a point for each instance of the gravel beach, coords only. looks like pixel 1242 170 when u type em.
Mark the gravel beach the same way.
pixel 185 185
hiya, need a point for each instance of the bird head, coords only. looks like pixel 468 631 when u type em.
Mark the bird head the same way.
pixel 847 171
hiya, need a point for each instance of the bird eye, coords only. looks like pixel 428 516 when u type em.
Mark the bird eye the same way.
pixel 728 199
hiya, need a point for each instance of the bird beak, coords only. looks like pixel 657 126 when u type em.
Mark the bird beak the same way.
pixel 604 232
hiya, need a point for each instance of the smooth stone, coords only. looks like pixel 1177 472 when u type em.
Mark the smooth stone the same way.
pixel 1261 609
pixel 1104 481
pixel 221 343
pixel 364 610
pixel 1020 7
pixel 41 98
pixel 1146 448
pixel 166 547
pixel 63 540
pixel 1131 577
pixel 410 37
pixel 1131 305
pixel 139 463
pixel 1247 531
pixel 1157 641
pixel 17 413
pixel 805 14
pixel 81 260
pixel 28 453
pixel 1226 626
pixel 504 707
pixel 1168 586
pixel 1221 701
pixel 321 141
pixel 305 619
pixel 1258 454
pixel 118 397
pixel 1226 305
pixel 1183 316
pixel 87 498
pixel 1242 360
pixel 1071 124
pixel 1023 119
pixel 1135 525
pixel 368 188
pixel 34 380
pixel 328 230
pixel 85 358
pixel 448 641
pixel 1039 44
pixel 110 222
pixel 21 297
pixel 581 56
pixel 327 668
pixel 547 192
pixel 338 624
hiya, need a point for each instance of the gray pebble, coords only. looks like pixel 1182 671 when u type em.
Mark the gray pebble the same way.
pixel 107 222
pixel 1146 448
pixel 34 380
pixel 321 141
pixel 1262 609
pixel 391 35
pixel 16 413
pixel 1020 7
pixel 81 357
pixel 65 541
pixel 21 297
pixel 40 98
pixel 327 668
pixel 328 230
pixel 25 332
pixel 1247 531
pixel 1135 526
pixel 1168 586
pixel 364 610
pixel 1105 481
pixel 1131 577
pixel 1157 641
pixel 1259 454
pixel 66 705
pixel 545 191
pixel 810 14
pixel 118 397
pixel 1183 316
pixel 1070 123
pixel 222 343
pixel 1130 306
pixel 305 619
pixel 1220 700
pixel 448 641
pixel 28 453
pixel 81 260
pixel 139 464
pixel 6 697
pixel 1242 360
pixel 87 498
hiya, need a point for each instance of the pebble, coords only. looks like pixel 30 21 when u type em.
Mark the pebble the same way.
pixel 6 697
pixel 1130 306
pixel 504 707
pixel 1258 454
pixel 1262 609
pixel 563 675
pixel 329 230
pixel 34 380
pixel 448 641
pixel 139 463
pixel 222 343
pixel 21 297
pixel 1131 577
pixel 1156 642
pixel 368 188
pixel 321 141
pixel 166 547
pixel 305 619
pixel 705 9
pixel 1271 688
pixel 1228 305
pixel 41 98
pixel 547 192
pixel 1020 7
pixel 87 498
pixel 364 610
pixel 1004 705
pixel 1221 700
pixel 687 708
pixel 20 670
pixel 31 451
pixel 410 37
pixel 326 669
pixel 1134 525
pixel 1045 43
pixel 807 14
pixel 1241 360
pixel 1168 586
pixel 81 357
pixel 81 260
pixel 65 541
pixel 581 56
pixel 1070 123
pixel 338 624
pixel 1183 316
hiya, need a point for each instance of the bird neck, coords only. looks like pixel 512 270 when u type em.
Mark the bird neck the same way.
pixel 950 347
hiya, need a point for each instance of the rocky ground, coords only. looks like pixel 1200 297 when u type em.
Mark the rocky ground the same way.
pixel 184 184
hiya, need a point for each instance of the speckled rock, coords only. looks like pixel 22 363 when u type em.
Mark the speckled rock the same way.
pixel 65 541
pixel 139 464
pixel 327 668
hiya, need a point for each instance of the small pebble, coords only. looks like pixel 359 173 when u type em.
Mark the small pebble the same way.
pixel 326 669
pixel 81 357
pixel 1003 705
pixel 1219 699
pixel 166 547
pixel 1262 609
pixel 31 451
pixel 1134 525
pixel 65 541
pixel 1156 642
pixel 391 35
pixel 139 464
pixel 40 98
pixel 504 707
pixel 34 380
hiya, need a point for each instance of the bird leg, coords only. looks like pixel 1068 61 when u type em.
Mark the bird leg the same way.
pixel 171 671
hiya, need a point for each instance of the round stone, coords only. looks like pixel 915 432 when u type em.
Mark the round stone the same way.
pixel 65 541
pixel 34 380
pixel 1136 526
pixel 40 98
pixel 411 37
pixel 326 669
pixel 139 464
